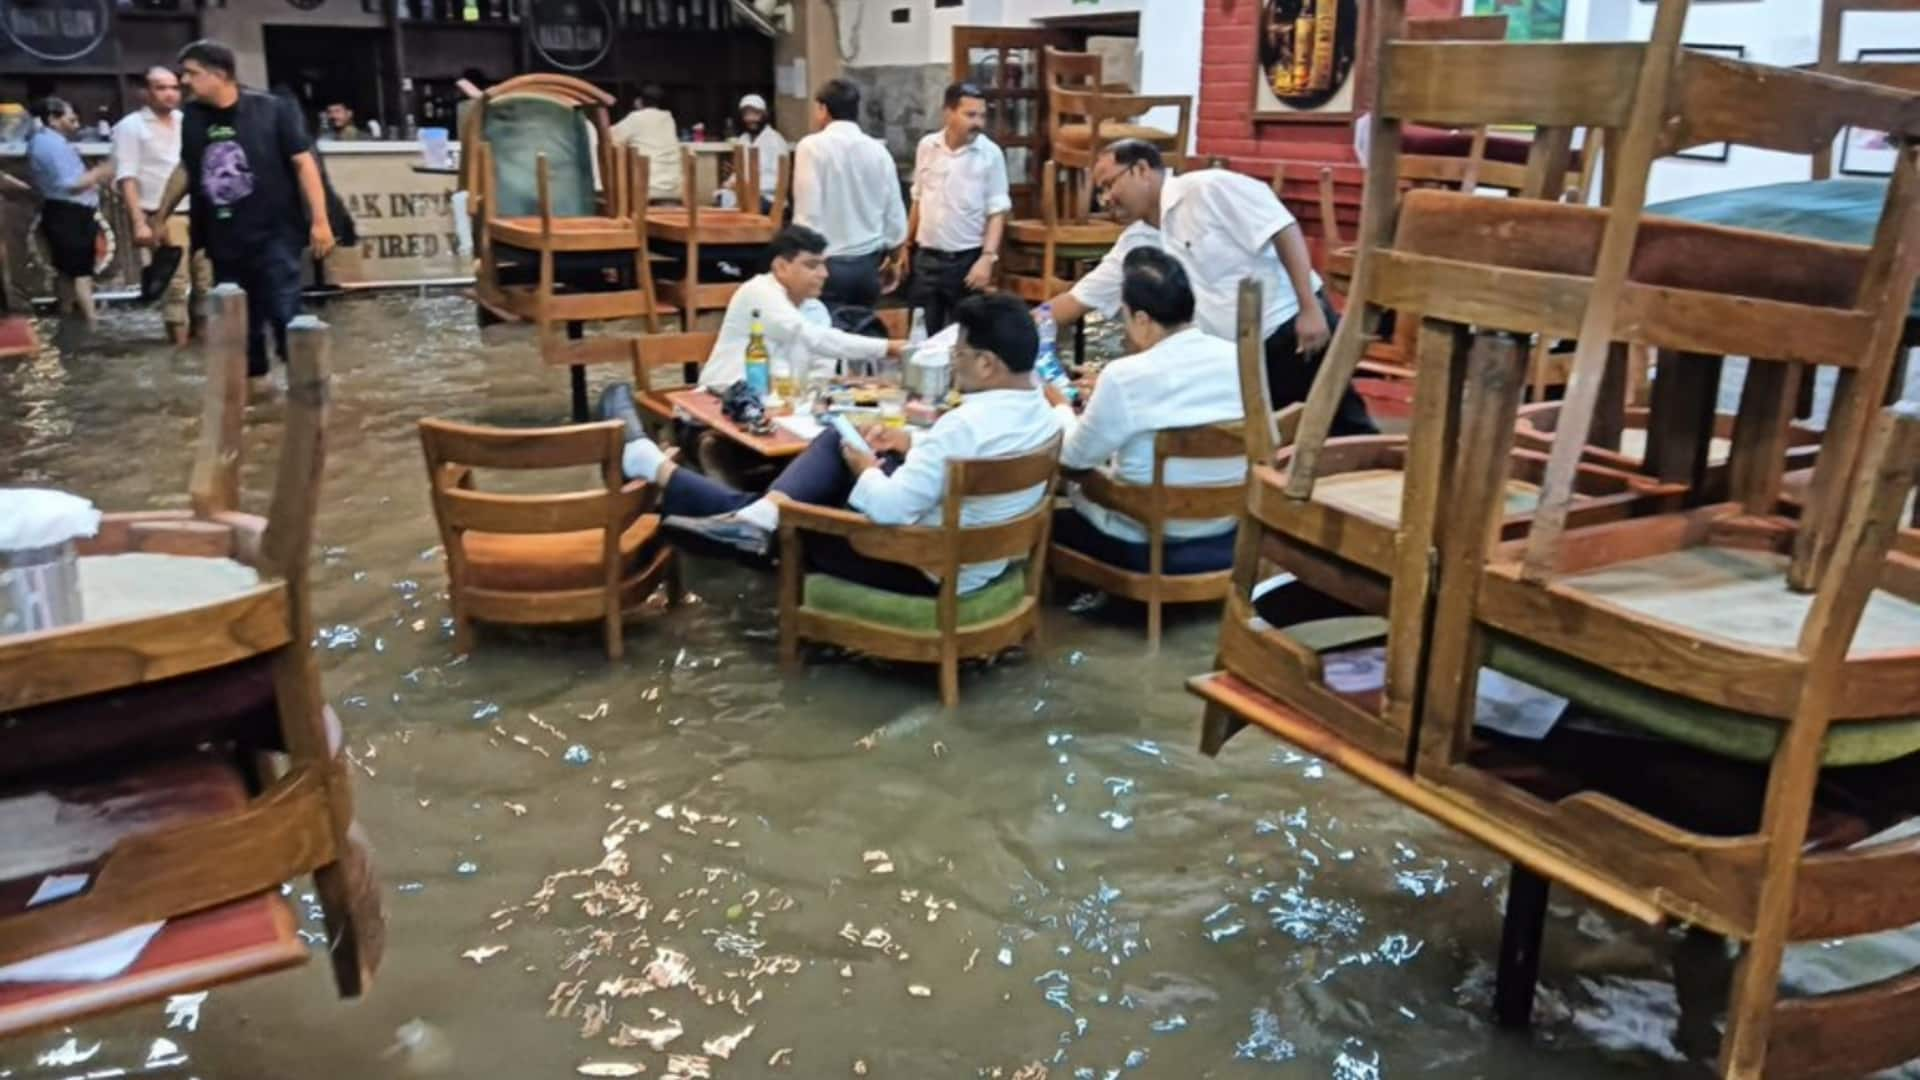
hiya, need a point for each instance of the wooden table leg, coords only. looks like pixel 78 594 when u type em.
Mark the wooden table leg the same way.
pixel 575 331
pixel 1520 937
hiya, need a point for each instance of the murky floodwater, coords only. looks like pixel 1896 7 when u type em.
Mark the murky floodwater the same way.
pixel 1051 873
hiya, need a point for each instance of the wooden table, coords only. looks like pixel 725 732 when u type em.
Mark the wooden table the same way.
pixel 779 444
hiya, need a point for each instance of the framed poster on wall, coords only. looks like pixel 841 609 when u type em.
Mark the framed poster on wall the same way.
pixel 1864 152
pixel 1307 57
pixel 1528 20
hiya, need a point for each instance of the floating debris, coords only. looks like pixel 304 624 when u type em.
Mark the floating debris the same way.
pixel 1116 820
pixel 781 1058
pixel 517 809
pixel 164 1054
pixel 183 1011
pixel 466 868
pixel 687 1067
pixel 919 990
pixel 939 748
pixel 878 862
pixel 859 1067
pixel 723 1046
pixel 68 1053
pixel 971 957
pixel 668 968
pixel 483 953
pixel 1176 1022
pixel 657 1038
pixel 610 1068
pixel 1033 1070
pixel 1005 957
pixel 867 741
pixel 577 754
pixel 421 1047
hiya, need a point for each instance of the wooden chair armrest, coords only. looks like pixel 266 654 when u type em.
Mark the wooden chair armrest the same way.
pixel 1114 106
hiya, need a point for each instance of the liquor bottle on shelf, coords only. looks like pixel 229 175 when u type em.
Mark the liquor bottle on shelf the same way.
pixel 470 11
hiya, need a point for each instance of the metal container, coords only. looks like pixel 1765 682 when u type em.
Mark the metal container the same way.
pixel 926 379
pixel 39 588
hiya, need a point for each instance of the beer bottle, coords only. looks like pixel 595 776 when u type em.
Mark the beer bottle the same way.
pixel 759 367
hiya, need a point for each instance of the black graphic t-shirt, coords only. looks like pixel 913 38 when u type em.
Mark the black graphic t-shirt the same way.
pixel 240 172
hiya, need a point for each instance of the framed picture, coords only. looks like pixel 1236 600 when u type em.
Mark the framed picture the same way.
pixel 1869 153
pixel 1714 152
pixel 1307 55
pixel 1528 20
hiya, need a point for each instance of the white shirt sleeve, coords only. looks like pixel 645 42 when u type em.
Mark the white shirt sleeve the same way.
pixel 999 192
pixel 894 228
pixel 1248 210
pixel 785 325
pixel 920 172
pixel 807 206
pixel 916 487
pixel 1096 435
pixel 126 151
pixel 1100 288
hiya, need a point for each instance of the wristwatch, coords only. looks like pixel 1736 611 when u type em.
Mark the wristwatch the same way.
pixel 994 255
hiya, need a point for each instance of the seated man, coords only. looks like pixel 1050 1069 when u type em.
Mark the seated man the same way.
pixel 1001 414
pixel 786 300
pixel 1178 376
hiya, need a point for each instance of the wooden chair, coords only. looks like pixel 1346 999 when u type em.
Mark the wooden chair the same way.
pixel 561 254
pixel 1043 253
pixel 153 733
pixel 1084 116
pixel 1008 609
pixel 1553 604
pixel 681 231
pixel 1153 505
pixel 541 559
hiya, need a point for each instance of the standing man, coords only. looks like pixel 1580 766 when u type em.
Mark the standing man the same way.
pixel 960 208
pixel 762 138
pixel 650 132
pixel 146 150
pixel 70 201
pixel 1221 227
pixel 847 188
pixel 257 192
pixel 340 123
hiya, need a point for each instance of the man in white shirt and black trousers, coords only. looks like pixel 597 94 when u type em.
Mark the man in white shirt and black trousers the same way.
pixel 1001 413
pixel 1221 227
pixel 847 188
pixel 1177 376
pixel 960 205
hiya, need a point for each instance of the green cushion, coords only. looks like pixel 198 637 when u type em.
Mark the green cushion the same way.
pixel 519 130
pixel 838 596
pixel 1720 731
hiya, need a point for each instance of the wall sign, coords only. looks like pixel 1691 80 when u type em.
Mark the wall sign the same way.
pixel 55 31
pixel 1306 58
pixel 572 35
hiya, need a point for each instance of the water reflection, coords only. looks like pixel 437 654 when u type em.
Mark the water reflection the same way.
pixel 668 862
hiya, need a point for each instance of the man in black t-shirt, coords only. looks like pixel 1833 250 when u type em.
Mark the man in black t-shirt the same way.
pixel 258 198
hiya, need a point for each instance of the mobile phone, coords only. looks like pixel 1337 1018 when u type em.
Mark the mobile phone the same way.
pixel 849 435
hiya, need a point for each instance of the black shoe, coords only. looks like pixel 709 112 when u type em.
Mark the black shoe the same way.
pixel 616 403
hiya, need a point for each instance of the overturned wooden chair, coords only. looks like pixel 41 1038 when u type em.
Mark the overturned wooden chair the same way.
pixel 944 628
pixel 1085 115
pixel 180 754
pixel 692 235
pixel 562 557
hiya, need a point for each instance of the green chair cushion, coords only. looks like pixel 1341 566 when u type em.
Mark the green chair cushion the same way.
pixel 830 595
pixel 519 130
pixel 1726 732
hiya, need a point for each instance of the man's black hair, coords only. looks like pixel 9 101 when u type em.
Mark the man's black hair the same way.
pixel 796 240
pixel 1127 153
pixel 653 97
pixel 1000 324
pixel 211 55
pixel 956 92
pixel 1157 287
pixel 841 98
pixel 48 108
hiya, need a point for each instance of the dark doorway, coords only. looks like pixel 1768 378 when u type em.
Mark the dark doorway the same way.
pixel 322 65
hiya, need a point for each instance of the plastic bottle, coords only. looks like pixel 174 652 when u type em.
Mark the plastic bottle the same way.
pixel 759 367
pixel 1048 363
pixel 917 330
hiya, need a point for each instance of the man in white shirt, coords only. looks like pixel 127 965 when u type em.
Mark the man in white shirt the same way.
pixel 1221 227
pixel 649 130
pixel 1177 376
pixel 1001 414
pixel 960 207
pixel 146 149
pixel 847 188
pixel 765 141
pixel 785 300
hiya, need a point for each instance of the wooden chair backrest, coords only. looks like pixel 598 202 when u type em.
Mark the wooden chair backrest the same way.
pixel 1157 502
pixel 534 105
pixel 453 450
pixel 1073 70
pixel 1904 75
pixel 1264 431
pixel 1458 28
pixel 684 352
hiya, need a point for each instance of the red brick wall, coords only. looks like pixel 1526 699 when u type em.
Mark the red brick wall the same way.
pixel 1227 128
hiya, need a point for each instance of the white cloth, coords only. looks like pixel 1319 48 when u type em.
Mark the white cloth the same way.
pixel 989 423
pixel 801 336
pixel 771 146
pixel 651 132
pixel 1189 379
pixel 42 517
pixel 846 187
pixel 1220 225
pixel 146 149
pixel 957 191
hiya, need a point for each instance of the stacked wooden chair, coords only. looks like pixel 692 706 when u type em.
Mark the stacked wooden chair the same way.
pixel 681 235
pixel 1085 115
pixel 942 629
pixel 1729 640
pixel 559 219
pixel 190 752
pixel 591 555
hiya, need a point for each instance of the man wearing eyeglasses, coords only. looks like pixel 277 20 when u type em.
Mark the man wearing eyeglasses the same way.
pixel 1222 227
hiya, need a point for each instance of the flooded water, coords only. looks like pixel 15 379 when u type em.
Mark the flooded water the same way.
pixel 828 865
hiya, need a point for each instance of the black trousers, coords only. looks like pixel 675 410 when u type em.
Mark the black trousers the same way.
pixel 270 275
pixel 1290 376
pixel 940 283
pixel 853 280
